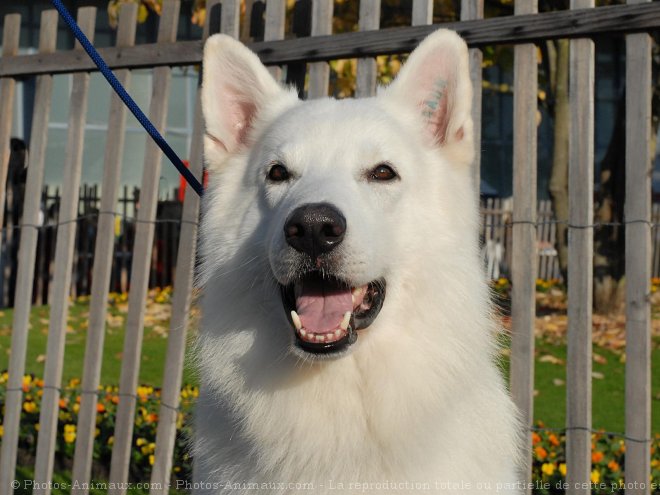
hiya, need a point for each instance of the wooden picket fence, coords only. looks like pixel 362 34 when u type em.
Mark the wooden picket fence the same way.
pixel 496 237
pixel 581 23
pixel 163 263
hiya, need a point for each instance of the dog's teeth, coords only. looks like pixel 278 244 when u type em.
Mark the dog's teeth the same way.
pixel 296 320
pixel 320 338
pixel 302 332
pixel 337 333
pixel 347 319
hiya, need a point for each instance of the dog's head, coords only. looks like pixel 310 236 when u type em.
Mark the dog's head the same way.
pixel 324 198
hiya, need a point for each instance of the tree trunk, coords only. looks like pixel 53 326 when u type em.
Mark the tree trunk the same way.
pixel 559 176
pixel 609 241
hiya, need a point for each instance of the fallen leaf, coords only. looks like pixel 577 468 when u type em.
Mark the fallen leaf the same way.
pixel 599 359
pixel 558 382
pixel 549 358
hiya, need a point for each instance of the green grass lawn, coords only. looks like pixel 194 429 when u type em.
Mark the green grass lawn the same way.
pixel 550 371
pixel 154 347
pixel 608 387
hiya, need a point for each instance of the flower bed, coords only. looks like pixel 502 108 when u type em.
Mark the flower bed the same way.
pixel 144 433
pixel 607 462
pixel 549 457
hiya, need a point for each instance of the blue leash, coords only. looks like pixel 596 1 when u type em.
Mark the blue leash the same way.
pixel 126 98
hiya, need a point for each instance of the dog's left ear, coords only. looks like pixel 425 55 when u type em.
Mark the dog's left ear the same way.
pixel 436 81
pixel 236 89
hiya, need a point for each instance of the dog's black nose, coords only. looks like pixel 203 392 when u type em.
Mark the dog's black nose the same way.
pixel 315 229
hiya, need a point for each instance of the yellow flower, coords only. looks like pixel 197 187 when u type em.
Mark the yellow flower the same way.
pixel 69 433
pixel 97 432
pixel 143 392
pixel 111 441
pixel 562 468
pixel 595 476
pixel 29 407
pixel 548 468
pixel 76 408
pixel 140 442
pixel 151 460
pixel 2 430
pixel 148 448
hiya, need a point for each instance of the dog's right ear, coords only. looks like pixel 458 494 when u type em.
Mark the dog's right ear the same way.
pixel 435 82
pixel 236 88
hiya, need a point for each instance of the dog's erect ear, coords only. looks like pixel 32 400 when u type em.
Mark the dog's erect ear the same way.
pixel 236 87
pixel 436 80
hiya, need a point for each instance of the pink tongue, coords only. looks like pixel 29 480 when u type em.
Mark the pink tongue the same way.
pixel 321 308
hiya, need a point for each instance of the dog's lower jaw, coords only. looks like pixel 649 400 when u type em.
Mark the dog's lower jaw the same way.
pixel 333 311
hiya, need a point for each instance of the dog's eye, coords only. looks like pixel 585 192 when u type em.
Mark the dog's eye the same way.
pixel 382 172
pixel 278 173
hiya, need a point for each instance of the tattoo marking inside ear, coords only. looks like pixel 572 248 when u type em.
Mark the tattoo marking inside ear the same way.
pixel 438 93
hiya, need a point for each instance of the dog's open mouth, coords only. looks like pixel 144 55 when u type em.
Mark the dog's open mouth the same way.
pixel 326 312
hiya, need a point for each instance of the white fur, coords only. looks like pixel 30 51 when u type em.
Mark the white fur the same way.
pixel 419 399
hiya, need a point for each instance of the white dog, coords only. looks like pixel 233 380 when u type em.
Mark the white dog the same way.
pixel 347 343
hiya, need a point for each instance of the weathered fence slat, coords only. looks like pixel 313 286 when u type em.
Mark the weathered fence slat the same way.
pixel 181 301
pixel 274 28
pixel 102 269
pixel 422 12
pixel 472 10
pixel 319 72
pixel 142 249
pixel 66 235
pixel 493 31
pixel 367 69
pixel 639 90
pixel 10 39
pixel 231 17
pixel 580 264
pixel 523 271
pixel 27 253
